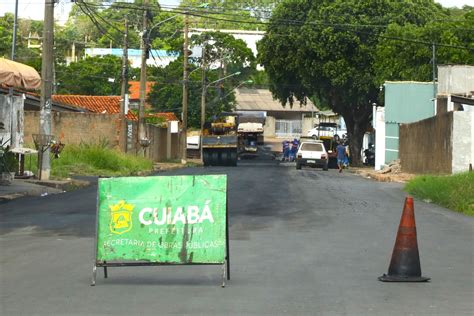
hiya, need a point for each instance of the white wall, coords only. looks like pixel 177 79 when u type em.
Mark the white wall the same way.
pixel 12 117
pixel 463 144
pixel 269 127
pixel 379 137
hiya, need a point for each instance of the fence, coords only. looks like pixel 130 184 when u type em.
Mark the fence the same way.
pixel 442 144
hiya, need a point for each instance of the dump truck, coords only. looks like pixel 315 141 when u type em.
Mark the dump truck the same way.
pixel 220 141
pixel 250 136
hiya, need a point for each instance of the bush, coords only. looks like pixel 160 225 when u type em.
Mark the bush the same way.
pixel 455 192
pixel 90 159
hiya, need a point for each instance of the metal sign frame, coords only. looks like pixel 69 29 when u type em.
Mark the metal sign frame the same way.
pixel 105 264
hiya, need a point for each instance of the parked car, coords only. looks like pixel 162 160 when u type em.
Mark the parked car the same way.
pixel 327 130
pixel 312 154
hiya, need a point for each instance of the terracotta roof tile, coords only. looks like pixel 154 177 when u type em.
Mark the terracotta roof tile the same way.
pixel 135 89
pixel 103 104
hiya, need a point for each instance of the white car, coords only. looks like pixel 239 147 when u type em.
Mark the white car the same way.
pixel 313 154
pixel 322 131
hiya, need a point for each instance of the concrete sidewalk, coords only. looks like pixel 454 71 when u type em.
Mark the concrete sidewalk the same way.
pixel 32 187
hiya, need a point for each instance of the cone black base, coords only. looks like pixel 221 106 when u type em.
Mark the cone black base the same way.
pixel 392 278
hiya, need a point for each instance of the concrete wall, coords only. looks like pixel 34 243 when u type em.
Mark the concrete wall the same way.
pixel 455 79
pixel 307 124
pixel 426 146
pixel 463 141
pixel 74 128
pixel 269 128
pixel 163 146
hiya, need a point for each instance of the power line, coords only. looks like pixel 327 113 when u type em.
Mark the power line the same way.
pixel 289 22
pixel 214 10
pixel 94 21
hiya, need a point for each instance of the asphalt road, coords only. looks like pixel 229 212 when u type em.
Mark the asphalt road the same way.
pixel 303 242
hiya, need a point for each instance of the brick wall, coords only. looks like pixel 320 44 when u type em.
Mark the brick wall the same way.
pixel 74 128
pixel 92 128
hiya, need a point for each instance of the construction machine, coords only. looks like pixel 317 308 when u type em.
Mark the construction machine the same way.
pixel 250 130
pixel 220 141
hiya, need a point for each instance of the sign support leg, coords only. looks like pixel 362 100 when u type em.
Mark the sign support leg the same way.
pixel 224 272
pixel 105 271
pixel 94 274
pixel 227 258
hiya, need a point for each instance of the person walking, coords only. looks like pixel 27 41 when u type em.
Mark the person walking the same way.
pixel 341 156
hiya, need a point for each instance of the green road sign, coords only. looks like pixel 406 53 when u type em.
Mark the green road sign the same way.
pixel 169 219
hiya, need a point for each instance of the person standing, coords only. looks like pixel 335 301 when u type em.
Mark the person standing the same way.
pixel 341 156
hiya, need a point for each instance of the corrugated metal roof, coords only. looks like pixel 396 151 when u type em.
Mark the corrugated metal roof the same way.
pixel 262 100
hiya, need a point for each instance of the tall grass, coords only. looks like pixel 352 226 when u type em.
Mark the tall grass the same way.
pixel 455 192
pixel 87 159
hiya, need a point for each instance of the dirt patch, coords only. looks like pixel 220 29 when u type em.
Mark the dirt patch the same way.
pixel 391 174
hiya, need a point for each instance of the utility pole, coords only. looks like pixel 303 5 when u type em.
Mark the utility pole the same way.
pixel 124 91
pixel 203 94
pixel 46 87
pixel 15 24
pixel 185 88
pixel 204 88
pixel 141 135
pixel 434 72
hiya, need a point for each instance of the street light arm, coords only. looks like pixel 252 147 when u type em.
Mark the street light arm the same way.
pixel 158 24
pixel 221 79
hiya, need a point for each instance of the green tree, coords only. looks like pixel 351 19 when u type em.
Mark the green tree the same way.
pixel 402 60
pixel 167 93
pixel 230 14
pixel 328 49
pixel 226 55
pixel 23 54
pixel 91 76
pixel 6 34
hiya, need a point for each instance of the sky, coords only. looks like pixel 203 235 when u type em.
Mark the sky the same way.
pixel 34 9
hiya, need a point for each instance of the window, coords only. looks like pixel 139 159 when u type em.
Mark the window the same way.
pixel 312 147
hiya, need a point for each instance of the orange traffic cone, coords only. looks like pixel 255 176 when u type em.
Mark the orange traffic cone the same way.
pixel 405 263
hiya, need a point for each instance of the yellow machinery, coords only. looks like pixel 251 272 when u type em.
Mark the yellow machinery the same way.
pixel 220 141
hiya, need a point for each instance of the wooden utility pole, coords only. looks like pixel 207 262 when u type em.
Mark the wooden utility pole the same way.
pixel 46 88
pixel 141 135
pixel 185 88
pixel 124 91
pixel 434 72
pixel 204 88
pixel 15 26
pixel 203 95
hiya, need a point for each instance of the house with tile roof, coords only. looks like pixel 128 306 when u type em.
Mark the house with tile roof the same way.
pixel 134 94
pixel 104 105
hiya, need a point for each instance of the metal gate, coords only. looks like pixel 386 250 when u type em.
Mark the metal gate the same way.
pixel 288 128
